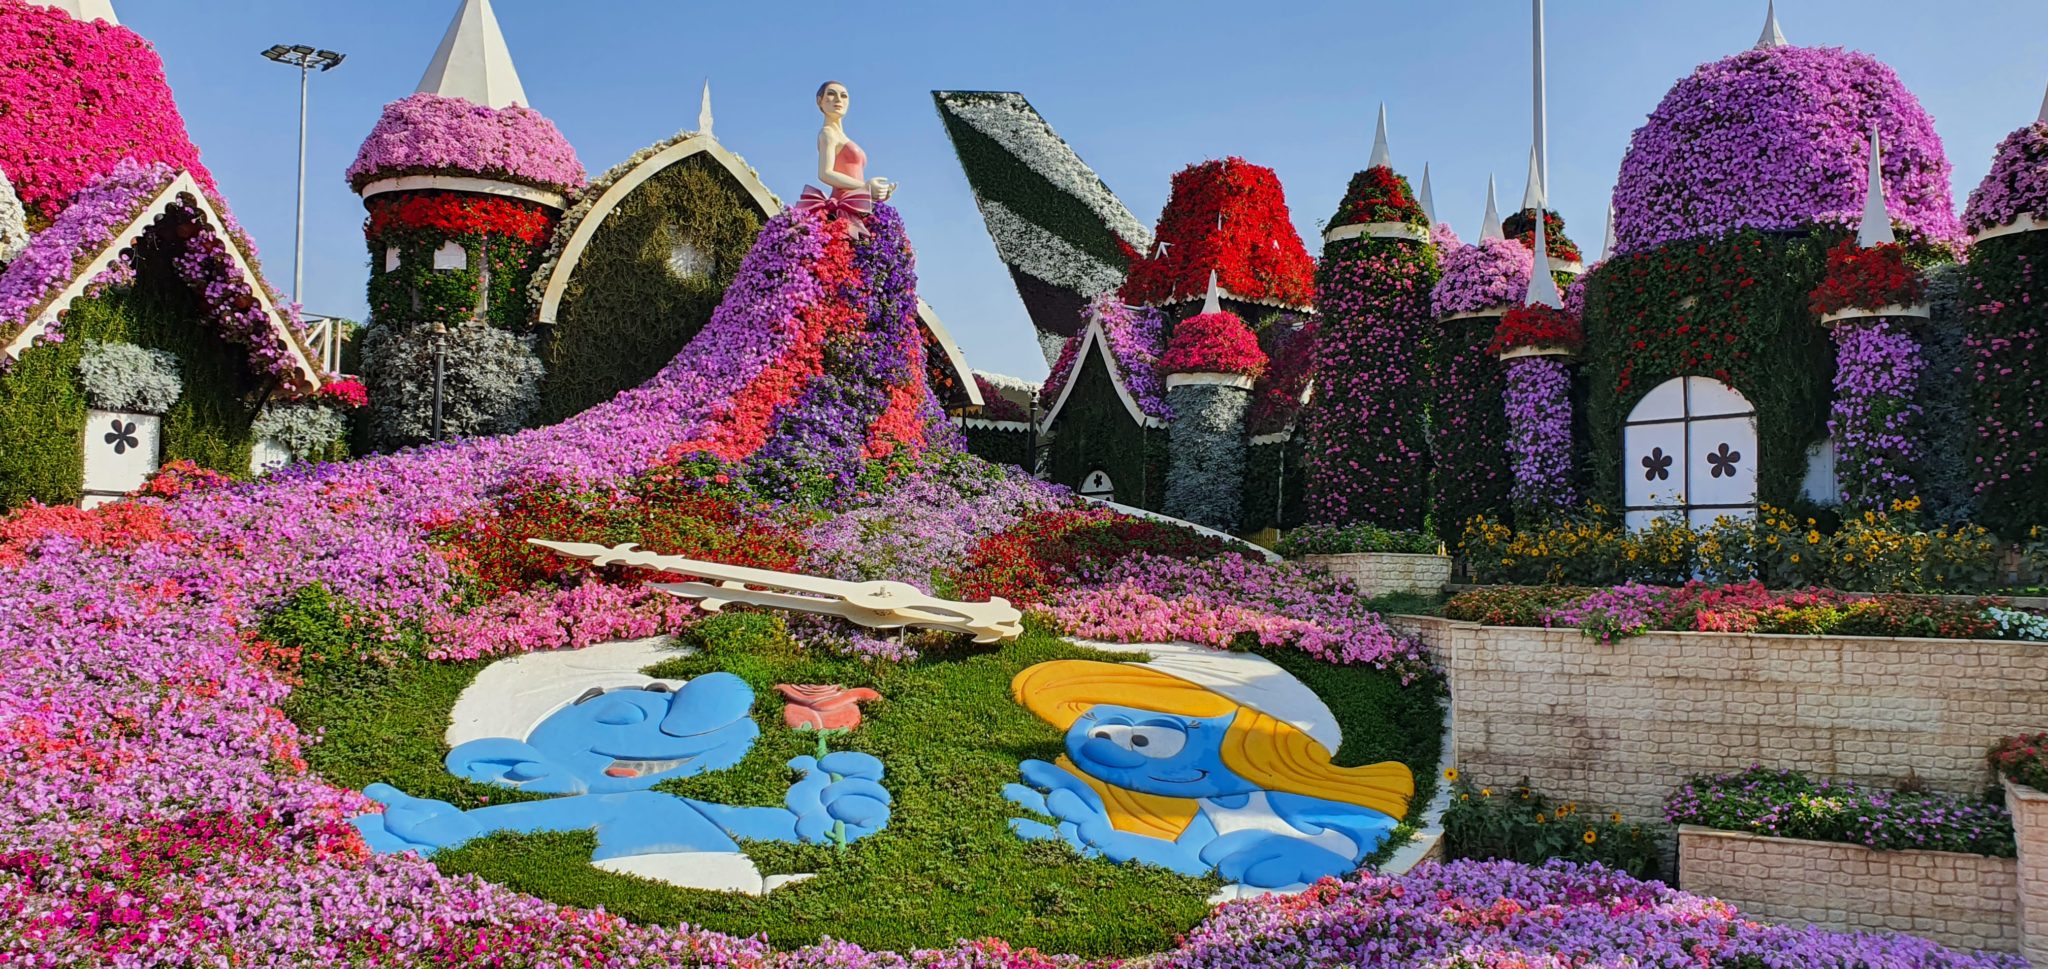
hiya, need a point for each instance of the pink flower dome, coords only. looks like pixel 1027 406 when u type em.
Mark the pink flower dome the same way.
pixel 428 134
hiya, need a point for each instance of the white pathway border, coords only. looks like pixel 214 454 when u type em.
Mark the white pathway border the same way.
pixel 511 696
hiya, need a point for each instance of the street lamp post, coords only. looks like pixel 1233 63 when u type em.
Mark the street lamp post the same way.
pixel 440 345
pixel 305 59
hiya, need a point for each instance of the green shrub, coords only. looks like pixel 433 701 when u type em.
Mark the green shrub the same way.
pixel 1521 825
pixel 1355 537
pixel 1511 605
pixel 1788 804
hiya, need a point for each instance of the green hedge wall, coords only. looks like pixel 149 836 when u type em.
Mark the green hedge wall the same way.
pixel 625 313
pixel 42 407
pixel 1733 308
pixel 1274 482
pixel 2007 357
pixel 1002 447
pixel 1095 431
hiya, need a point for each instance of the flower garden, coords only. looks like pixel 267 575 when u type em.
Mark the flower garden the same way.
pixel 884 687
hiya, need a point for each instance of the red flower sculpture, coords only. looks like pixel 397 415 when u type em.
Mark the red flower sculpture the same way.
pixel 1867 279
pixel 1254 250
pixel 1535 326
pixel 1214 343
pixel 823 706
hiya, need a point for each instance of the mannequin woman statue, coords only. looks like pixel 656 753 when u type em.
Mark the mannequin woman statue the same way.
pixel 841 163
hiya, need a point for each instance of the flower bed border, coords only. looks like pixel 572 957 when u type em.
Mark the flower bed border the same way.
pixel 1367 571
pixel 1918 311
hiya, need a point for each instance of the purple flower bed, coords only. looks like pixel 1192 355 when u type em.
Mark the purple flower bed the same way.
pixel 2017 184
pixel 1501 915
pixel 1539 409
pixel 1788 804
pixel 1875 420
pixel 1779 138
pixel 427 134
pixel 1137 335
pixel 927 525
pixel 53 256
pixel 1489 274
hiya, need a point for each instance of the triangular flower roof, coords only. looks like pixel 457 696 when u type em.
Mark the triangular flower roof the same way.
pixel 1128 341
pixel 61 264
pixel 1229 216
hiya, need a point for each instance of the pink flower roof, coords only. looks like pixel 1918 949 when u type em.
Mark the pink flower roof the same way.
pixel 1779 138
pixel 77 97
pixel 2017 184
pixel 427 134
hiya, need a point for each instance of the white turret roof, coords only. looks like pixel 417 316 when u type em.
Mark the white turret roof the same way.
pixel 2044 109
pixel 1607 246
pixel 84 9
pixel 1532 196
pixel 704 112
pixel 1426 197
pixel 1489 226
pixel 473 63
pixel 1877 222
pixel 1542 286
pixel 1381 157
pixel 1212 301
pixel 1772 36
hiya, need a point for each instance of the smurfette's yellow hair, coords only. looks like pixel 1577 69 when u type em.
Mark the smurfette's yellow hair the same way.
pixel 1258 747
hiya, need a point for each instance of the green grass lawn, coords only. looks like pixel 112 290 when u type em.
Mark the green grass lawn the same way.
pixel 946 867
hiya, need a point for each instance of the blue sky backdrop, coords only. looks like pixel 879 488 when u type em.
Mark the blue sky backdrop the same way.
pixel 1139 88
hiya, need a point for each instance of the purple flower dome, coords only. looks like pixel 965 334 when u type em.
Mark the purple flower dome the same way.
pixel 1779 138
pixel 427 134
pixel 2017 184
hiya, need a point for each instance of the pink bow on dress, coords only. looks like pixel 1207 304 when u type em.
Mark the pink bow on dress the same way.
pixel 854 207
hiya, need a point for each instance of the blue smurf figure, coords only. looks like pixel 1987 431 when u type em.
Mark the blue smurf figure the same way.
pixel 605 751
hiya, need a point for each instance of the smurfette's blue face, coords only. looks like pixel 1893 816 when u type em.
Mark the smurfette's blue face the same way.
pixel 622 739
pixel 1155 753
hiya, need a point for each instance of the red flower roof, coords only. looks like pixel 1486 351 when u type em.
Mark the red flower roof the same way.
pixel 1256 253
pixel 1213 343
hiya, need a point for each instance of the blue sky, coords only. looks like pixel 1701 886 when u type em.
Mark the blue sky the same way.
pixel 1139 88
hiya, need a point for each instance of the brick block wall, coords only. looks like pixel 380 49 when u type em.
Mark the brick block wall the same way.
pixel 1381 573
pixel 2030 823
pixel 1621 725
pixel 1962 901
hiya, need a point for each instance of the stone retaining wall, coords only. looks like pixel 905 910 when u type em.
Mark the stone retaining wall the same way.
pixel 1621 725
pixel 2030 824
pixel 1962 901
pixel 1382 573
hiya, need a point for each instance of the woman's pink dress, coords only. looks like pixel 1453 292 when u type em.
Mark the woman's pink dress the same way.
pixel 852 163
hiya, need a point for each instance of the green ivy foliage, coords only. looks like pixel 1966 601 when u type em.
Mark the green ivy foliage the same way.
pixel 42 407
pixel 1734 309
pixel 626 313
pixel 1096 431
pixel 1468 426
pixel 2007 293
pixel 1274 480
pixel 449 296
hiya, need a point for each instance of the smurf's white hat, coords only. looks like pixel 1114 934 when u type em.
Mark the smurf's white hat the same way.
pixel 512 696
pixel 1245 679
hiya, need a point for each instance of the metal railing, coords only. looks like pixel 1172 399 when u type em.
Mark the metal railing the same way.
pixel 323 337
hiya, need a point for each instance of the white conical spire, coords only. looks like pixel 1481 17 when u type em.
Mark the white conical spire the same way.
pixel 2044 109
pixel 1542 287
pixel 1212 302
pixel 473 62
pixel 87 10
pixel 1607 246
pixel 1531 197
pixel 1489 226
pixel 704 112
pixel 1877 223
pixel 1381 157
pixel 1427 198
pixel 1772 36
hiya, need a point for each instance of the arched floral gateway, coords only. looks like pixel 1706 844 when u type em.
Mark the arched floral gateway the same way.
pixel 1689 449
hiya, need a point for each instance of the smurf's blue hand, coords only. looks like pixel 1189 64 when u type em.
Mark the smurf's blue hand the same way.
pixel 411 823
pixel 1280 862
pixel 821 805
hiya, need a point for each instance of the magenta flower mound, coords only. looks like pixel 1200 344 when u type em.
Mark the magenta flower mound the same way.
pixel 2018 183
pixel 1779 138
pixel 1539 409
pixel 1498 915
pixel 1136 335
pixel 76 98
pixel 1489 274
pixel 1213 343
pixel 427 134
pixel 1875 420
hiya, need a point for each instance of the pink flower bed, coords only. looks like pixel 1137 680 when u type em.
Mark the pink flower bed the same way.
pixel 427 134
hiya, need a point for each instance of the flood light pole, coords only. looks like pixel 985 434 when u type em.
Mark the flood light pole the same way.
pixel 305 59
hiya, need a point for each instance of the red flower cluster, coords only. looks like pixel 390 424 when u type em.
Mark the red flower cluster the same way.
pixel 2024 759
pixel 1029 561
pixel 458 214
pixel 1521 227
pixel 1213 343
pixel 1378 195
pixel 347 392
pixel 1535 326
pixel 668 518
pixel 121 525
pixel 1255 252
pixel 182 477
pixel 1867 279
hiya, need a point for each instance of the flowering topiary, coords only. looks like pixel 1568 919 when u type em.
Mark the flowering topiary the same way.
pixel 428 134
pixel 1779 138
pixel 1521 227
pixel 1486 275
pixel 1537 327
pixel 1254 250
pixel 76 98
pixel 1378 195
pixel 2017 184
pixel 1213 343
pixel 1867 279
pixel 345 392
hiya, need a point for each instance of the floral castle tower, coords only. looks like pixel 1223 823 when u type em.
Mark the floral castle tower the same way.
pixel 464 184
pixel 1210 364
pixel 1366 454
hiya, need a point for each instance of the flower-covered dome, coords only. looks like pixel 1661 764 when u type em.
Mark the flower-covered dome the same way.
pixel 77 97
pixel 1214 343
pixel 2018 183
pixel 1488 275
pixel 1778 138
pixel 429 134
pixel 1229 216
